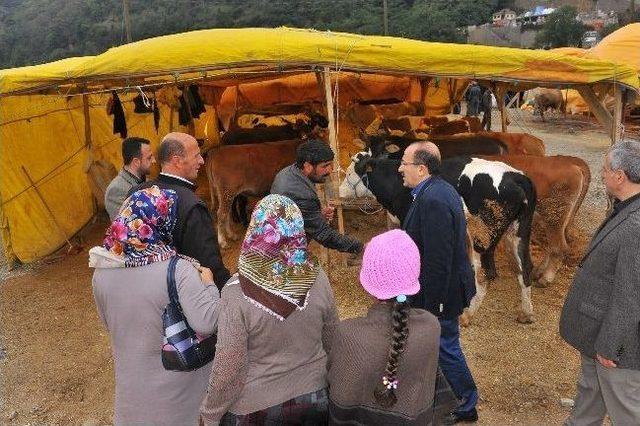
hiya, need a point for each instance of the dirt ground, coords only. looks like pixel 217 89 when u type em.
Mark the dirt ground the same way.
pixel 56 366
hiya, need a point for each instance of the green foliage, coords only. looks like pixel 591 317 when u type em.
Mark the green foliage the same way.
pixel 605 31
pixel 37 31
pixel 561 29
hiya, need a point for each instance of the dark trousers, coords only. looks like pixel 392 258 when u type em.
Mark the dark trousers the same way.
pixel 486 121
pixel 455 367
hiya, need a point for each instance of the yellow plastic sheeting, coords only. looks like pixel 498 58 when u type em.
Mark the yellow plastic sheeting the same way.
pixel 230 52
pixel 621 46
pixel 45 134
pixel 50 147
pixel 44 75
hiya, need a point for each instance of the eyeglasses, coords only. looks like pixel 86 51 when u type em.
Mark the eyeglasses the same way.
pixel 404 163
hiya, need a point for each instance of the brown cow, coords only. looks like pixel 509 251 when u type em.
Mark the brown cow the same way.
pixel 548 98
pixel 255 128
pixel 243 170
pixel 515 143
pixel 561 184
pixel 452 127
pixel 437 125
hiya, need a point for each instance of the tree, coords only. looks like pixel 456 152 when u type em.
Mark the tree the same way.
pixel 561 29
pixel 36 31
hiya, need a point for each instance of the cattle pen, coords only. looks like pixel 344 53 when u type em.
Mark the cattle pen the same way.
pixel 58 123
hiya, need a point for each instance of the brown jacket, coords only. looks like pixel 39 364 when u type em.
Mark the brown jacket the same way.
pixel 262 361
pixel 357 362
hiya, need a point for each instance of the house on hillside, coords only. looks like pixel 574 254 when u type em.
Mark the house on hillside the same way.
pixel 536 16
pixel 598 19
pixel 504 18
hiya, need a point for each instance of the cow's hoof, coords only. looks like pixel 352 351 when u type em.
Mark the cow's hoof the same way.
pixel 465 319
pixel 541 283
pixel 536 274
pixel 525 318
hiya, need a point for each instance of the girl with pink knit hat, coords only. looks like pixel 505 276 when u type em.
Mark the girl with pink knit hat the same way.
pixel 383 367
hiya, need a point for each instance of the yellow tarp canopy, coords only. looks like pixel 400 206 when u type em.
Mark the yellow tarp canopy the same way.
pixel 241 52
pixel 621 46
pixel 43 129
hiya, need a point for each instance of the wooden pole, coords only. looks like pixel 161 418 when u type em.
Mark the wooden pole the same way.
pixel 127 23
pixel 616 123
pixel 87 121
pixel 46 206
pixel 596 107
pixel 333 135
pixel 385 16
pixel 333 139
pixel 500 91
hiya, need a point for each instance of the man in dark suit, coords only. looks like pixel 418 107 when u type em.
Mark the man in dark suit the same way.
pixel 437 224
pixel 194 234
pixel 601 315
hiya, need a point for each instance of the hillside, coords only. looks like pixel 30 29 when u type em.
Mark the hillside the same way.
pixel 36 31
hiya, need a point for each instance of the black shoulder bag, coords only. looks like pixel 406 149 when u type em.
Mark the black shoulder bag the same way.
pixel 182 349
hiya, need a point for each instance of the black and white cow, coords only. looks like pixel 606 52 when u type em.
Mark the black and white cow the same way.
pixel 498 199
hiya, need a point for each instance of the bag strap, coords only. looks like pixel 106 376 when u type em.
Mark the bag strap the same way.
pixel 171 283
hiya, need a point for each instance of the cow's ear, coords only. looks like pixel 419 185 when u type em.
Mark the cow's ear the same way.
pixel 392 148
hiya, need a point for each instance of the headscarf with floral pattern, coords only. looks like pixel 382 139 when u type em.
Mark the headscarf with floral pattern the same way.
pixel 141 232
pixel 276 269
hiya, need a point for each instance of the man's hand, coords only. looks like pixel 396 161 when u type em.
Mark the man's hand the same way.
pixel 327 213
pixel 206 275
pixel 606 363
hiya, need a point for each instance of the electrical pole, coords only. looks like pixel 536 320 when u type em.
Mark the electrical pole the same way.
pixel 127 24
pixel 385 16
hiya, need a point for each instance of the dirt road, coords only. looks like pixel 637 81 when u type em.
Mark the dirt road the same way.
pixel 58 367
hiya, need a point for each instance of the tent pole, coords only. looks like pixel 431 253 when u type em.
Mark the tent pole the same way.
pixel 88 143
pixel 616 125
pixel 596 107
pixel 500 91
pixel 87 121
pixel 333 137
pixel 333 143
pixel 424 89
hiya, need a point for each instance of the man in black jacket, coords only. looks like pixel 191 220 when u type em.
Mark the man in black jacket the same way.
pixel 314 163
pixel 437 225
pixel 193 235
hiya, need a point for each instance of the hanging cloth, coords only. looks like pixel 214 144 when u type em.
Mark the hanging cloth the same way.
pixel 119 121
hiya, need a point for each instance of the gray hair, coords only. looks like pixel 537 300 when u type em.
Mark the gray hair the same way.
pixel 625 156
pixel 168 148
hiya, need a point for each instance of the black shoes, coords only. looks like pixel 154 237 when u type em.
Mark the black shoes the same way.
pixel 468 417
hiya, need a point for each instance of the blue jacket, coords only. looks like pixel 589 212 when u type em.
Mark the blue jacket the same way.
pixel 437 224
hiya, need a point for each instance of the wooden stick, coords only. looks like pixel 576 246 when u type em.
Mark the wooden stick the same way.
pixel 616 125
pixel 55 221
pixel 333 135
pixel 596 107
pixel 87 121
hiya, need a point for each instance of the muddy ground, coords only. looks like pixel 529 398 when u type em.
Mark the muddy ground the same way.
pixel 55 360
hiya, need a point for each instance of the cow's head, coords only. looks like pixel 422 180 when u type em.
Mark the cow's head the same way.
pixel 385 146
pixel 356 181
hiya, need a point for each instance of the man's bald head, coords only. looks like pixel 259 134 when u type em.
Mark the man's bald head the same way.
pixel 179 155
pixel 427 153
pixel 174 143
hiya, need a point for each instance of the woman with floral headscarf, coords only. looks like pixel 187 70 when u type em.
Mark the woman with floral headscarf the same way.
pixel 270 365
pixel 130 290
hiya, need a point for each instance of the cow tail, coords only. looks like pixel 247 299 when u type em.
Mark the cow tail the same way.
pixel 525 219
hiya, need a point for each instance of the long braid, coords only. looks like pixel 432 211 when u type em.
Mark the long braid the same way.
pixel 385 393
